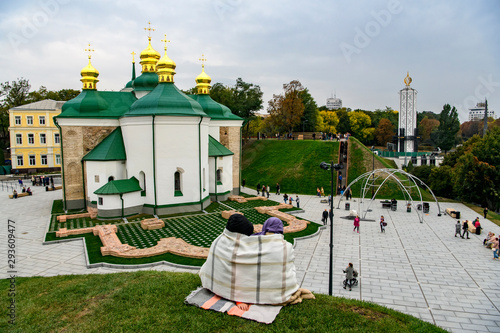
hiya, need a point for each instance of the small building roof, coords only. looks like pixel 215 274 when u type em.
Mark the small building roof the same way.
pixel 216 149
pixel 111 148
pixel 46 104
pixel 119 187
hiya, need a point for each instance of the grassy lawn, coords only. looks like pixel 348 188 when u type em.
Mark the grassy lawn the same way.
pixel 293 164
pixel 152 301
pixel 199 229
pixel 360 161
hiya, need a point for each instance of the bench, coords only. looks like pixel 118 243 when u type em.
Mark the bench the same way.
pixel 19 195
pixel 453 213
pixel 386 204
pixel 49 188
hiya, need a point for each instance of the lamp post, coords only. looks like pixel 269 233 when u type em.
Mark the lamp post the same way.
pixel 373 167
pixel 332 167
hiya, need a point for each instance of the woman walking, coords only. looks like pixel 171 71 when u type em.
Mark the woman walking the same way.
pixel 356 223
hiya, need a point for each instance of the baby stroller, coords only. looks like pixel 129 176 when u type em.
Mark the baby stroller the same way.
pixel 354 280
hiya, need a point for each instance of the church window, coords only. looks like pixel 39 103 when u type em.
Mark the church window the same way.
pixel 219 177
pixel 100 201
pixel 177 184
pixel 111 178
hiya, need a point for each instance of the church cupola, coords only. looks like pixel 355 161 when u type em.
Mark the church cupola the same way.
pixel 166 66
pixel 149 56
pixel 89 74
pixel 203 80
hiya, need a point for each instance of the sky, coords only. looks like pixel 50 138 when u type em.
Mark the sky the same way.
pixel 360 50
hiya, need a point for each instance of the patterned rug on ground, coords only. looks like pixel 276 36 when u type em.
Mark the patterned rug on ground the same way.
pixel 205 299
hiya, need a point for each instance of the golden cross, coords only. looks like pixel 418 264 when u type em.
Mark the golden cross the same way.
pixel 133 54
pixel 149 29
pixel 165 41
pixel 202 59
pixel 89 50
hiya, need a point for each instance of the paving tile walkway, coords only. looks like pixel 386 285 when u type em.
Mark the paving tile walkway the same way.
pixel 416 268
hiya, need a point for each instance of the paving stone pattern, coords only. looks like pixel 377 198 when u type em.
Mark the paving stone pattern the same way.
pixel 417 268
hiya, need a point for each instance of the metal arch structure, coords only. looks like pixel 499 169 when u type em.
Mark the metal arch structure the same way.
pixel 369 180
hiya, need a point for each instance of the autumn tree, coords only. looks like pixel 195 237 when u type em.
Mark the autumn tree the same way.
pixel 359 122
pixel 329 122
pixel 384 132
pixel 286 109
pixel 470 128
pixel 426 127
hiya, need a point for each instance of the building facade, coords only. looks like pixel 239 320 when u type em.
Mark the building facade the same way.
pixel 477 112
pixel 333 103
pixel 35 141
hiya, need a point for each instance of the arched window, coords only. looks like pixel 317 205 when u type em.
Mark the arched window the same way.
pixel 219 177
pixel 142 183
pixel 177 184
pixel 111 178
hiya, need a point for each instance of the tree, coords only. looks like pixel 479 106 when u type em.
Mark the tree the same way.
pixel 426 127
pixel 13 94
pixel 329 122
pixel 344 123
pixel 384 132
pixel 470 128
pixel 449 125
pixel 310 111
pixel 287 109
pixel 358 121
pixel 388 113
pixel 440 181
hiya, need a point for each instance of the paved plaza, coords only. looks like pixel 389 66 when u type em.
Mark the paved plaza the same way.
pixel 416 268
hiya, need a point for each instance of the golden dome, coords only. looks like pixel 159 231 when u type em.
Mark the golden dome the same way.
pixel 166 66
pixel 149 58
pixel 89 74
pixel 408 79
pixel 203 80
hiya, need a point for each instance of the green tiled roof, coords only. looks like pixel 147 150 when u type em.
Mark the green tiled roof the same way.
pixel 145 82
pixel 165 100
pixel 109 149
pixel 119 187
pixel 98 104
pixel 216 149
pixel 213 109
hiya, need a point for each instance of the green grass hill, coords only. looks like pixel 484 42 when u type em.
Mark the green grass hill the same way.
pixel 292 164
pixel 150 301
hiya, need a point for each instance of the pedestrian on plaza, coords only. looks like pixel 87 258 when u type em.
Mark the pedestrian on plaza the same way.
pixel 478 227
pixel 243 182
pixel 348 194
pixel 465 228
pixel 14 194
pixel 29 191
pixel 356 223
pixel 318 192
pixel 383 224
pixel 324 217
pixel 322 192
pixel 340 178
pixel 290 200
pixel 277 189
pixel 258 188
pixel 267 191
pixel 485 211
pixel 297 201
pixel 458 228
pixel 349 275
pixel 285 198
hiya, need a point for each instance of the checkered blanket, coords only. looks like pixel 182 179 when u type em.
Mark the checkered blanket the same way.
pixel 250 269
pixel 205 299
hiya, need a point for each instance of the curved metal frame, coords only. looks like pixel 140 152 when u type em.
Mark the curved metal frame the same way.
pixel 390 174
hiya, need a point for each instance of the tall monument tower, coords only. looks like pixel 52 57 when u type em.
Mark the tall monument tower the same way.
pixel 407 128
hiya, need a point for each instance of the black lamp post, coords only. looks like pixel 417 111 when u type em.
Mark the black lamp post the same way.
pixel 373 167
pixel 332 167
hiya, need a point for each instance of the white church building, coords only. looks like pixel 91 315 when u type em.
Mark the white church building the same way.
pixel 148 148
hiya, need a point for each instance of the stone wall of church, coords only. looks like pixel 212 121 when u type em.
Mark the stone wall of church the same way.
pixel 77 141
pixel 230 138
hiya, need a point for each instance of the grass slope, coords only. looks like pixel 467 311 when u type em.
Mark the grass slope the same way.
pixel 151 301
pixel 292 164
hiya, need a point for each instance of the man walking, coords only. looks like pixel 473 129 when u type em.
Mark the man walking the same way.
pixel 277 189
pixel 297 200
pixel 465 228
pixel 485 211
pixel 457 229
pixel 325 217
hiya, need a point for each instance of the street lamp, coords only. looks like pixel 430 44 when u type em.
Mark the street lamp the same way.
pixel 332 167
pixel 373 167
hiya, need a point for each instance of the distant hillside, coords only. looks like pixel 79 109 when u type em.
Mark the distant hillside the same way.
pixel 292 164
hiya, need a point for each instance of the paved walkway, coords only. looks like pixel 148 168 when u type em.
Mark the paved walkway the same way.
pixel 416 268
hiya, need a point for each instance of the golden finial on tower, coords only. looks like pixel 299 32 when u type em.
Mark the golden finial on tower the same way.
pixel 408 79
pixel 165 41
pixel 202 59
pixel 133 56
pixel 89 50
pixel 149 29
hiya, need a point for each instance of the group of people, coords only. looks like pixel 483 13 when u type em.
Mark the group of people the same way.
pixel 462 229
pixel 42 180
pixel 265 190
pixel 249 271
pixel 289 200
pixel 492 242
pixel 15 195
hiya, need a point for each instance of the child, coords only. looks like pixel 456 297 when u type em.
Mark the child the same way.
pixel 383 224
pixel 457 229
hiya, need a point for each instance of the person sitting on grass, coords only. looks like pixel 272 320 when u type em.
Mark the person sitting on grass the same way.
pixel 252 270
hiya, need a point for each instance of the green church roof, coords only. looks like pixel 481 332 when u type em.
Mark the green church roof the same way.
pixel 109 149
pixel 165 100
pixel 216 149
pixel 145 82
pixel 119 187
pixel 98 104
pixel 213 109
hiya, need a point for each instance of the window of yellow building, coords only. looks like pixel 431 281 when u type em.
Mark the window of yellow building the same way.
pixel 43 139
pixel 20 160
pixel 17 120
pixel 29 120
pixel 43 159
pixel 19 139
pixel 58 159
pixel 31 138
pixel 32 159
pixel 56 138
pixel 41 119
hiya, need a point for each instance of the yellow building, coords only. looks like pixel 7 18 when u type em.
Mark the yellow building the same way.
pixel 35 141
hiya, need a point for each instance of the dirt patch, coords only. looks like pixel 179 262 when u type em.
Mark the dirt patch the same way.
pixel 367 313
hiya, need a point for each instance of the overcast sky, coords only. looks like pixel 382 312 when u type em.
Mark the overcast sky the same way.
pixel 359 49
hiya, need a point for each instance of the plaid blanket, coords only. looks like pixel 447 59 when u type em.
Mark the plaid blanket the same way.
pixel 250 269
pixel 205 299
